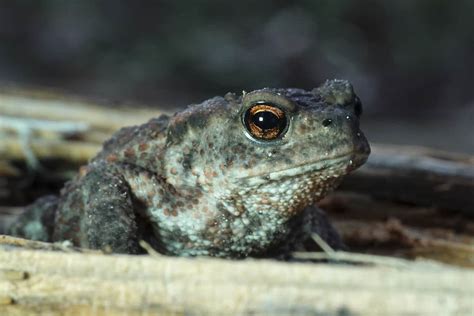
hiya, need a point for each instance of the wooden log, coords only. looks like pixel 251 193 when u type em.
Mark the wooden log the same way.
pixel 416 175
pixel 74 153
pixel 52 283
pixel 399 229
pixel 38 126
pixel 54 107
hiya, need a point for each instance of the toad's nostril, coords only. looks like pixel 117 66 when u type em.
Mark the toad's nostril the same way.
pixel 327 122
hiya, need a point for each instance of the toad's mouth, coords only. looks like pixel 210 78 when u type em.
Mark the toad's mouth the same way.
pixel 333 166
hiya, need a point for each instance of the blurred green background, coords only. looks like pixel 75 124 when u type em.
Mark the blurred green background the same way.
pixel 411 61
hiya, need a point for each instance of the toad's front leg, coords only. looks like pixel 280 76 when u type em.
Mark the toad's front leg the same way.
pixel 98 212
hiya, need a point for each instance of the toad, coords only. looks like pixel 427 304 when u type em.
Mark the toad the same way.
pixel 233 176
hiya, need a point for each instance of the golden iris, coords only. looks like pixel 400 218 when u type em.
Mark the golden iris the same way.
pixel 265 121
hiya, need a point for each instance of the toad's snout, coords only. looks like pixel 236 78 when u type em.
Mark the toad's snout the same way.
pixel 358 144
pixel 340 135
pixel 361 151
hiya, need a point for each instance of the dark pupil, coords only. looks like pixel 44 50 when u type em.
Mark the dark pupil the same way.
pixel 266 120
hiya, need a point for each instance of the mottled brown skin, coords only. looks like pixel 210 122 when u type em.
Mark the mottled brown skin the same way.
pixel 201 183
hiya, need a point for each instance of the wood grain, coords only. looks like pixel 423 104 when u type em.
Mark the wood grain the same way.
pixel 89 284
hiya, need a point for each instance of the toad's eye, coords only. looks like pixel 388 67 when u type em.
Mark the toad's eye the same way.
pixel 265 121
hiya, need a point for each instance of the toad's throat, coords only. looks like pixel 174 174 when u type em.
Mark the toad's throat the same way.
pixel 338 164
